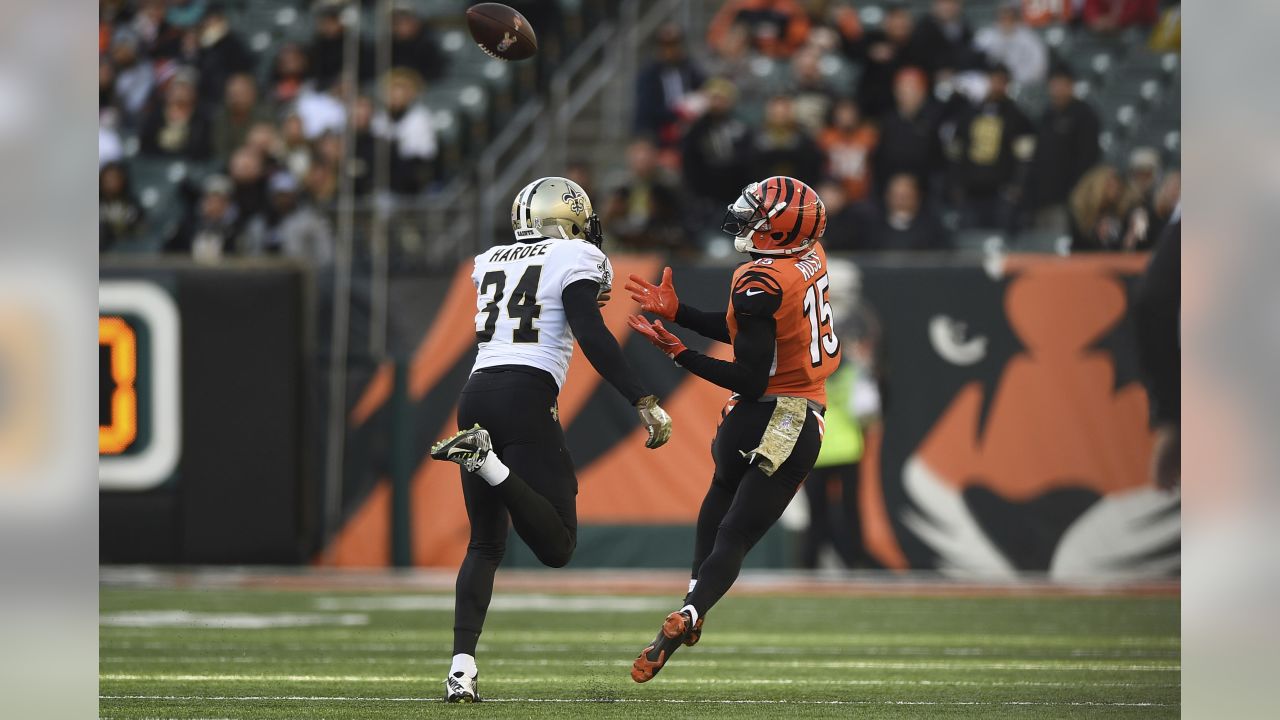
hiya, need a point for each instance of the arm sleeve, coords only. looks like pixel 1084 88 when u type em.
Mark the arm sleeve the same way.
pixel 756 298
pixel 597 343
pixel 713 325
pixel 1156 309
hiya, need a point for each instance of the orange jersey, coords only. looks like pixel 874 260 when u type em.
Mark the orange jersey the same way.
pixel 806 350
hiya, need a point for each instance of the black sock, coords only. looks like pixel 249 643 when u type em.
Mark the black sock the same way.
pixel 473 591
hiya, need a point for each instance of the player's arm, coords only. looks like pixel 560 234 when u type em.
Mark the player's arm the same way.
pixel 602 351
pixel 754 307
pixel 661 300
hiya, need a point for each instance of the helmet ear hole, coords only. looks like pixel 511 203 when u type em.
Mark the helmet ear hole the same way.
pixel 577 230
pixel 777 237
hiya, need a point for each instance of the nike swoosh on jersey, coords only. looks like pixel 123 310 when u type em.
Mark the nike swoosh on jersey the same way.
pixel 754 292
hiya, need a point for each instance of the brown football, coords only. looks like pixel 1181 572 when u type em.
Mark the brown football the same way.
pixel 501 31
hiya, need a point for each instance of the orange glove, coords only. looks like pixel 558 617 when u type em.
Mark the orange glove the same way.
pixel 660 299
pixel 658 335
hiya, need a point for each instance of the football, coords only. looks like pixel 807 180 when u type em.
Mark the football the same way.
pixel 501 31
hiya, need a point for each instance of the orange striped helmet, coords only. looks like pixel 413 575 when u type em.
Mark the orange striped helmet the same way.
pixel 778 216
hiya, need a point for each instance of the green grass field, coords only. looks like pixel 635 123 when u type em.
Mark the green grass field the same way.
pixel 270 653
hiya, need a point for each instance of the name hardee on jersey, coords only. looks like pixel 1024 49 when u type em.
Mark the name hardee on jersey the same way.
pixel 519 312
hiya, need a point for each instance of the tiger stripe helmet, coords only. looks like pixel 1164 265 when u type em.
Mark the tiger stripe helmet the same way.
pixel 777 216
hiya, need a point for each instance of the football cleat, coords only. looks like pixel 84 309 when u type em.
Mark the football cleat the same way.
pixel 469 448
pixel 674 633
pixel 458 688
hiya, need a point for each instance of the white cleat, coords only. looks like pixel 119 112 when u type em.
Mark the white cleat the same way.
pixel 459 688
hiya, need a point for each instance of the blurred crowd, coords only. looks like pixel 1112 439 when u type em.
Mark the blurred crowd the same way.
pixel 927 137
pixel 923 140
pixel 265 131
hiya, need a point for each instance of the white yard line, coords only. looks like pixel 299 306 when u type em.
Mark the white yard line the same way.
pixel 949 703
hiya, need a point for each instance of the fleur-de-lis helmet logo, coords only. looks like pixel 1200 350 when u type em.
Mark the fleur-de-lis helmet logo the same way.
pixel 574 200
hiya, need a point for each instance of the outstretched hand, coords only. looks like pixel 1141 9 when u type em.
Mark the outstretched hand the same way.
pixel 655 333
pixel 658 299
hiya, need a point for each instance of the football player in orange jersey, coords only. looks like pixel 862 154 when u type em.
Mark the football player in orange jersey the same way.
pixel 784 347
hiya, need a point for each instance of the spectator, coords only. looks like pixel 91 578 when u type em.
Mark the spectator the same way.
pixel 847 222
pixel 161 40
pixel 110 146
pixel 848 142
pixel 904 225
pixel 288 73
pixel 662 88
pixel 777 27
pixel 812 92
pixel 1042 13
pixel 1100 206
pixel 212 231
pixel 883 54
pixel 1014 45
pixel 944 37
pixel 909 140
pixel 177 128
pixel 1165 204
pixel 221 54
pixel 644 213
pixel 264 138
pixel 731 59
pixel 289 228
pixel 784 147
pixel 1154 199
pixel 1066 147
pixel 239 112
pixel 717 152
pixel 134 77
pixel 994 145
pixel 321 185
pixel 1144 173
pixel 413 45
pixel 106 84
pixel 1108 16
pixel 119 213
pixel 328 47
pixel 408 126
pixel 322 111
pixel 295 149
pixel 249 183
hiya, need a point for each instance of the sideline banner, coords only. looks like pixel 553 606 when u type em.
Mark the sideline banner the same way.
pixel 1014 434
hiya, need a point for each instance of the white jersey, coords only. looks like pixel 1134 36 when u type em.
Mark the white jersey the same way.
pixel 520 317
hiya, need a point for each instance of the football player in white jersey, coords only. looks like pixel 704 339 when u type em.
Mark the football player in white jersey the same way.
pixel 536 295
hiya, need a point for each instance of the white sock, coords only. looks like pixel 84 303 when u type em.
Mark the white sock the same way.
pixel 693 582
pixel 465 663
pixel 693 613
pixel 493 471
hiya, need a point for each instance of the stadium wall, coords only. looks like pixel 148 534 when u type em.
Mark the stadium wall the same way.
pixel 1014 434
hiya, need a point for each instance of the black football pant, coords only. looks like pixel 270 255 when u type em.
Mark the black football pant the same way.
pixel 742 502
pixel 516 405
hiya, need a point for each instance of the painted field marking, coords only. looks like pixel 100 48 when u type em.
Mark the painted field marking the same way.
pixel 673 701
pixel 501 603
pixel 226 620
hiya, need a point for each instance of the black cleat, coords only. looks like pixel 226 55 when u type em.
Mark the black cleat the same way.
pixel 674 633
pixel 469 448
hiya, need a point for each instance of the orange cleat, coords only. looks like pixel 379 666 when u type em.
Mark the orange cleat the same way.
pixel 674 633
